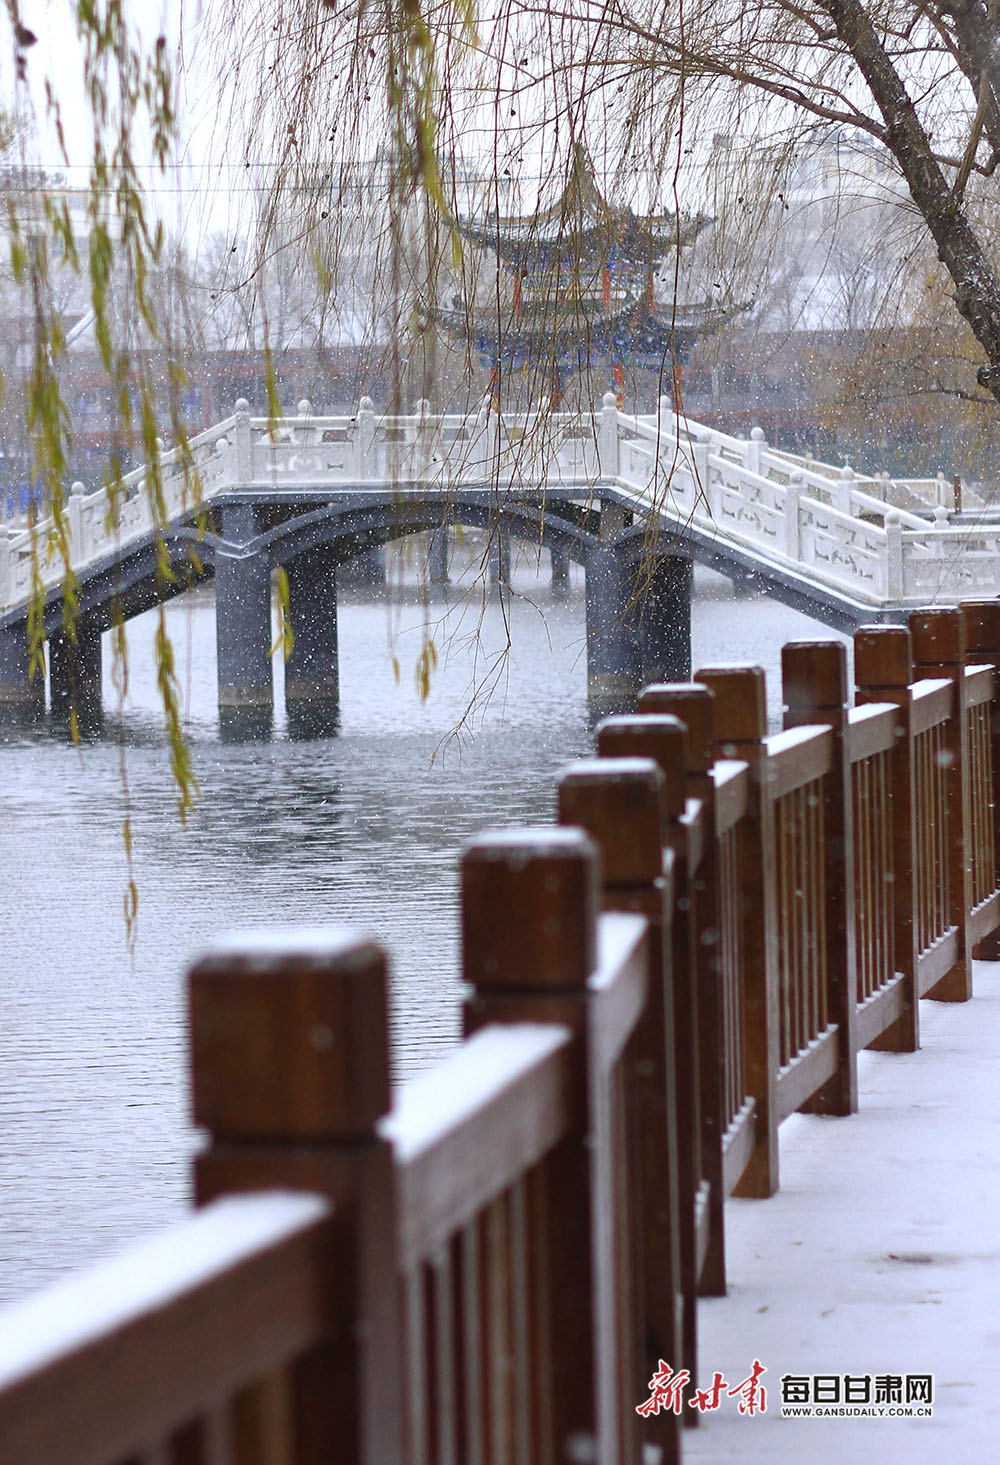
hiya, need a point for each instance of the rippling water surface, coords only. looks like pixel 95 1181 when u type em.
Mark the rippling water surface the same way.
pixel 363 828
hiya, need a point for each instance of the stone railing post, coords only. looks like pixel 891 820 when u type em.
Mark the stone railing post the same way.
pixel 608 454
pixel 365 437
pixel 74 513
pixel 243 444
pixel 793 503
pixel 424 434
pixel 704 492
pixel 754 446
pixel 842 489
pixel 304 434
pixel 291 1074
pixel 893 556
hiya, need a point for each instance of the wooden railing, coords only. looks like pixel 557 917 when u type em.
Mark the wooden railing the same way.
pixel 491 1265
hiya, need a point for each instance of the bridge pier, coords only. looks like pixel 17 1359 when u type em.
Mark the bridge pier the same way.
pixel 665 619
pixel 19 694
pixel 366 571
pixel 312 680
pixel 499 557
pixel 437 556
pixel 243 628
pixel 638 621
pixel 560 572
pixel 613 669
pixel 75 671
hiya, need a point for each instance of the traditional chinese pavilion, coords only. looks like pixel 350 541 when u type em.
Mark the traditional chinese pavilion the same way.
pixel 582 289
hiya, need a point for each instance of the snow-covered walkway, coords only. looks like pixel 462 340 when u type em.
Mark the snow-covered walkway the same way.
pixel 880 1255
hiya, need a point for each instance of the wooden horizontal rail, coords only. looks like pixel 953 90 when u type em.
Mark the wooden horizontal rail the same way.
pixel 737 1144
pixel 618 985
pixel 985 917
pixel 797 757
pixel 936 960
pixel 109 1362
pixel 872 729
pixel 808 1070
pixel 978 685
pixel 732 793
pixel 468 1128
pixel 932 703
pixel 880 1010
pixel 692 822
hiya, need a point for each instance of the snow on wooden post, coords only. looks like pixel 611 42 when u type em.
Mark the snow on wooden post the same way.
pixel 740 733
pixel 939 652
pixel 364 429
pixel 814 686
pixel 608 453
pixel 893 556
pixel 289 1041
pixel 529 940
pixel 618 802
pixel 793 503
pixel 982 647
pixel 883 671
pixel 243 443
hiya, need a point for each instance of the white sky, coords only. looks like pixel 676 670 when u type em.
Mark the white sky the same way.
pixel 195 192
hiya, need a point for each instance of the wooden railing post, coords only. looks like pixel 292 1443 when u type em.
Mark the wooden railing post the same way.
pixel 740 731
pixel 981 620
pixel 814 684
pixel 529 936
pixel 663 740
pixel 290 1073
pixel 883 671
pixel 618 803
pixel 695 706
pixel 939 651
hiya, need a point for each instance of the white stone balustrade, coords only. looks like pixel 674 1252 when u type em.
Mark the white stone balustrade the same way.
pixel 841 530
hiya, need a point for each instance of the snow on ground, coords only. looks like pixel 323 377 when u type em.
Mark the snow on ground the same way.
pixel 880 1254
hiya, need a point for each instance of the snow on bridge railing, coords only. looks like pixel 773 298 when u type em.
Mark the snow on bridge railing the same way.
pixel 842 531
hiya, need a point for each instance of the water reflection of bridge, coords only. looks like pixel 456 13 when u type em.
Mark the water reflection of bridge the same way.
pixel 634 500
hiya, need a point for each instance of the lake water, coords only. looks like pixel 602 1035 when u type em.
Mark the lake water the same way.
pixel 363 828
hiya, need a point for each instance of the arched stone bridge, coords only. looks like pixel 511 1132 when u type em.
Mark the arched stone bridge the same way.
pixel 633 499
